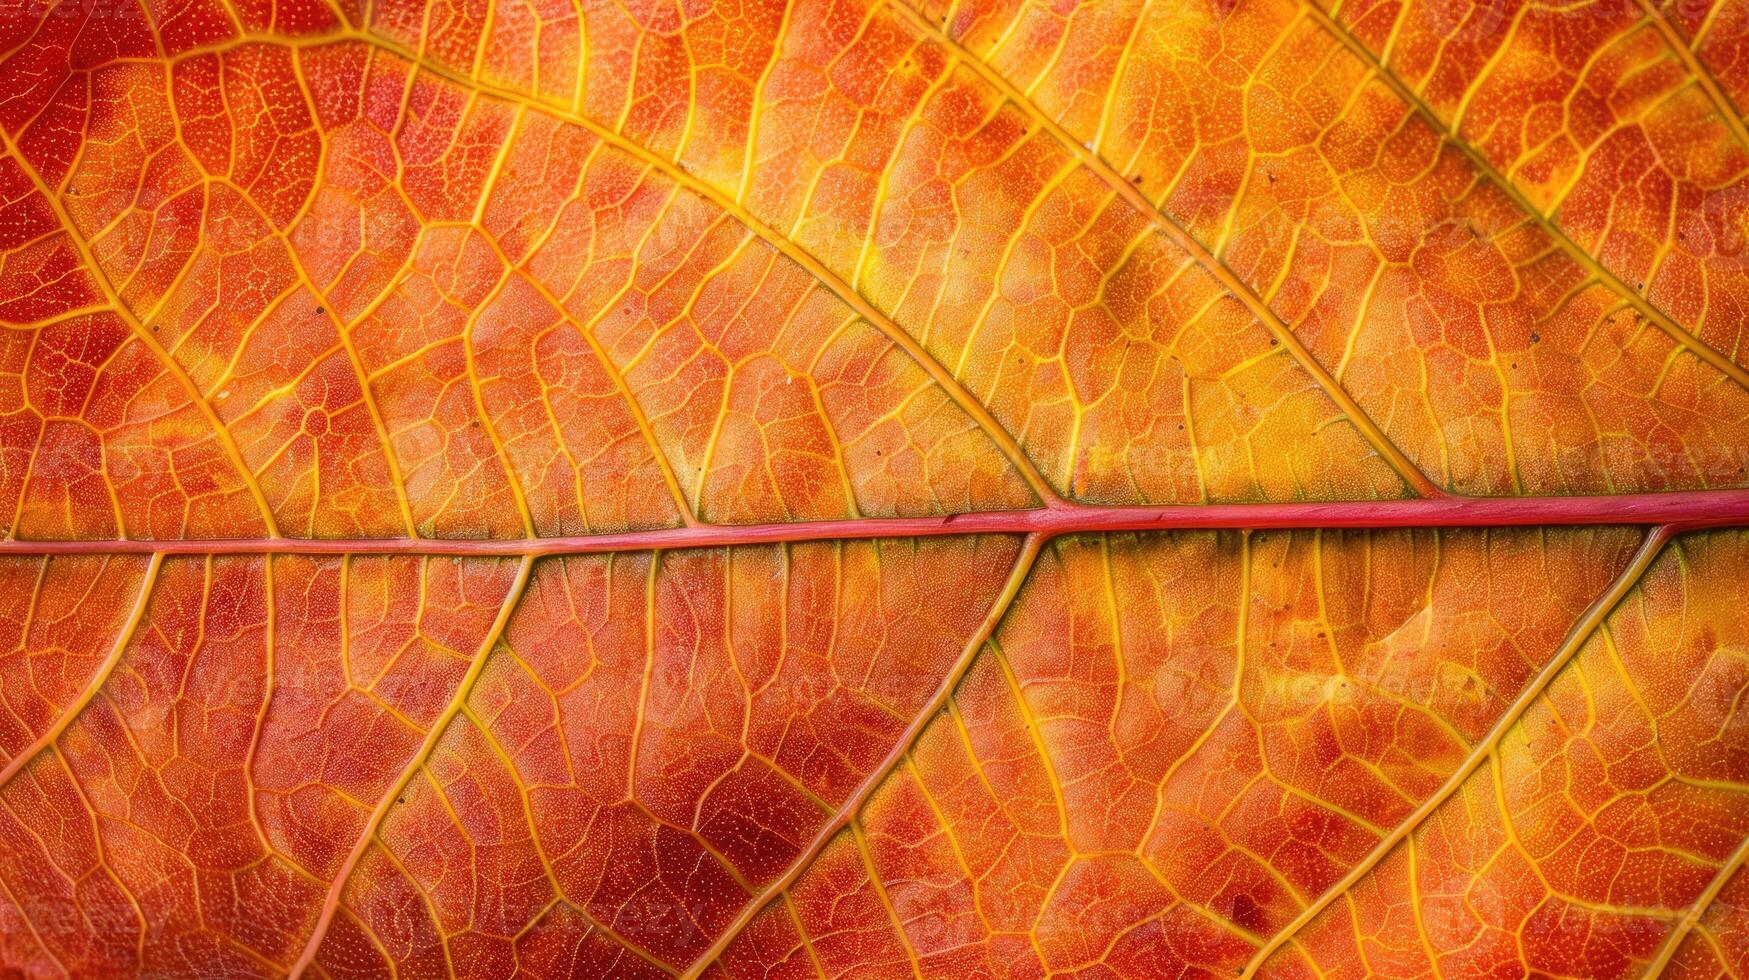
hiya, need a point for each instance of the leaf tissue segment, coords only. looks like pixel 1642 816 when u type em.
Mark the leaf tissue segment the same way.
pixel 874 488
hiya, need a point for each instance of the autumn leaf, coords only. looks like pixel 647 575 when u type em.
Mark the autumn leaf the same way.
pixel 862 488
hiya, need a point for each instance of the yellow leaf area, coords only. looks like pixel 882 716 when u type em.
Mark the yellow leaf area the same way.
pixel 644 488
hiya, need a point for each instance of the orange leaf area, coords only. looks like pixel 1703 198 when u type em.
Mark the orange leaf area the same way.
pixel 1176 753
pixel 862 488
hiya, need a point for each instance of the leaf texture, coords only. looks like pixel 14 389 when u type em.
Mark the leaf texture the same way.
pixel 863 488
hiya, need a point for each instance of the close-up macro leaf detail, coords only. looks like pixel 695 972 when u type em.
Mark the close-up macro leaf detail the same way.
pixel 947 489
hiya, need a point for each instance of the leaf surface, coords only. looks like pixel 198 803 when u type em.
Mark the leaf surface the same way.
pixel 873 488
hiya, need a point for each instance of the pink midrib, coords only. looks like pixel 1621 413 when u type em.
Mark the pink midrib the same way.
pixel 1684 510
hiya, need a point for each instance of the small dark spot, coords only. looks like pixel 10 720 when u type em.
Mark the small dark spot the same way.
pixel 1136 179
pixel 1247 914
pixel 1514 365
pixel 1273 342
pixel 321 310
pixel 1270 176
pixel 877 452
pixel 1181 426
pixel 1536 338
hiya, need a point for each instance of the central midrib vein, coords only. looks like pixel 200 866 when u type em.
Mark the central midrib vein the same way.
pixel 1685 510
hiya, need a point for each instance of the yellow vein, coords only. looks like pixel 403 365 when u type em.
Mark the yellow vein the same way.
pixel 143 335
pixel 1702 902
pixel 1594 268
pixel 77 705
pixel 511 480
pixel 1698 72
pixel 608 367
pixel 860 839
pixel 680 175
pixel 341 329
pixel 1594 615
pixel 540 851
pixel 848 811
pixel 747 160
pixel 1399 461
pixel 432 736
